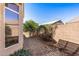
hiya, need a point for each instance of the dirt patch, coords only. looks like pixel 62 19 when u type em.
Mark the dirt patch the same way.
pixel 38 48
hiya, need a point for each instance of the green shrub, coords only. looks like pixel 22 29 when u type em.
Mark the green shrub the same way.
pixel 22 52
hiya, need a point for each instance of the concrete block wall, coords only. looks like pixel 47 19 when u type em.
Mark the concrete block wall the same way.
pixel 68 32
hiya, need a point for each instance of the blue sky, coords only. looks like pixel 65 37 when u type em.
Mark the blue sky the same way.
pixel 48 12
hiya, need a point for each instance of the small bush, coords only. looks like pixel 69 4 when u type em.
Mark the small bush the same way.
pixel 22 52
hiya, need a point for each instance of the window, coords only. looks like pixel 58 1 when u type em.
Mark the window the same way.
pixel 11 17
pixel 12 6
pixel 11 24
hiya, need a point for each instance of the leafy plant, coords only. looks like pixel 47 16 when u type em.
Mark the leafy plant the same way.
pixel 30 26
pixel 42 29
pixel 22 52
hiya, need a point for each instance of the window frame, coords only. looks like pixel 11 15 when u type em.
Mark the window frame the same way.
pixel 8 6
pixel 12 24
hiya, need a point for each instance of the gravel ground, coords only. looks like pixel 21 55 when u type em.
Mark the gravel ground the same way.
pixel 38 48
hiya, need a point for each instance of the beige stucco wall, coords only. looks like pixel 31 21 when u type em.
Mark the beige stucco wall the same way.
pixel 68 32
pixel 11 49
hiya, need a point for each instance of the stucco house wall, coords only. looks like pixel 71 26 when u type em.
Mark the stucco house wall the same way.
pixel 11 49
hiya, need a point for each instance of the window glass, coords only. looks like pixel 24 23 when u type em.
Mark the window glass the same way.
pixel 11 25
pixel 12 6
pixel 11 35
pixel 11 17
